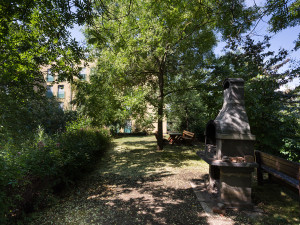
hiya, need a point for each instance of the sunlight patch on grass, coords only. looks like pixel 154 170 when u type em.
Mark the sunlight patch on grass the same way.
pixel 134 155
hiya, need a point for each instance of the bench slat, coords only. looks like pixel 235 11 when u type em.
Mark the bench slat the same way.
pixel 288 167
pixel 292 171
pixel 282 161
pixel 187 136
pixel 291 181
pixel 187 133
pixel 285 170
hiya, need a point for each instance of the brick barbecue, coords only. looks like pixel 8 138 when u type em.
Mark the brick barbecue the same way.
pixel 229 148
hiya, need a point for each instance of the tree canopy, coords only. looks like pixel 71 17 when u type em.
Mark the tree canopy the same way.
pixel 149 54
pixel 161 45
pixel 34 34
pixel 283 14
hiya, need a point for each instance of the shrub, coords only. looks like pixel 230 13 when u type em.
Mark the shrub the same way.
pixel 80 149
pixel 31 168
pixel 291 149
pixel 4 181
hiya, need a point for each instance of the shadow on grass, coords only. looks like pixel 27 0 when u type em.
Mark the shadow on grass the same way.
pixel 280 204
pixel 134 184
pixel 115 199
pixel 148 206
pixel 141 161
pixel 134 169
pixel 142 143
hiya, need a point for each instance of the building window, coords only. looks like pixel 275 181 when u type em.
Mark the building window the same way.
pixel 49 92
pixel 61 91
pixel 50 77
pixel 128 127
pixel 61 105
pixel 82 74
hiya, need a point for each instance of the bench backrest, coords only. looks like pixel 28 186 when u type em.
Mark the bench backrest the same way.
pixel 187 133
pixel 287 167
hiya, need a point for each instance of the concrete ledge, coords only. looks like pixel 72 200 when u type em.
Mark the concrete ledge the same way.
pixel 221 163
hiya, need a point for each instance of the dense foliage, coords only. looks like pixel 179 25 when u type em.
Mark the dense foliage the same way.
pixel 33 168
pixel 272 110
pixel 103 102
pixel 186 111
pixel 37 152
pixel 35 34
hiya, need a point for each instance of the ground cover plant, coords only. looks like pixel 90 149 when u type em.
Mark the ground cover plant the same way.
pixel 136 184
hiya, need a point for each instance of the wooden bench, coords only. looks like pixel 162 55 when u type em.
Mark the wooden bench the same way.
pixel 187 137
pixel 175 137
pixel 285 170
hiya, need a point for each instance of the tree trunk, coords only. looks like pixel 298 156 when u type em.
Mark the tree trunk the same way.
pixel 160 112
pixel 186 118
pixel 160 129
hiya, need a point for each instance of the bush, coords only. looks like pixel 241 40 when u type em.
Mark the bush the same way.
pixel 31 168
pixel 80 148
pixel 4 181
pixel 291 149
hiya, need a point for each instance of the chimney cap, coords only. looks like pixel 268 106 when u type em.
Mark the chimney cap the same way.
pixel 228 81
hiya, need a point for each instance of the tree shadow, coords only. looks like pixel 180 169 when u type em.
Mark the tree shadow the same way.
pixel 153 199
pixel 146 144
pixel 134 184
pixel 149 206
pixel 140 190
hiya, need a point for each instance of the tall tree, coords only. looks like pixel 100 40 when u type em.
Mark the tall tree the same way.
pixel 160 45
pixel 34 34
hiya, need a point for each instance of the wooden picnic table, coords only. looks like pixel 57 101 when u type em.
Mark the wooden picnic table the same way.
pixel 175 137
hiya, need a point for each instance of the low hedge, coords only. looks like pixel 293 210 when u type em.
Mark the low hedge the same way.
pixel 33 168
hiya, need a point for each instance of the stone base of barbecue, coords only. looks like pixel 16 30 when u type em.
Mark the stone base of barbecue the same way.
pixel 214 179
pixel 235 186
pixel 232 181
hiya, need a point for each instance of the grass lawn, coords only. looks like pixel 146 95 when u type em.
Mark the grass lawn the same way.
pixel 136 184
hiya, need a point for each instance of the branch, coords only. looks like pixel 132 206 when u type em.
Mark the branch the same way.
pixel 260 19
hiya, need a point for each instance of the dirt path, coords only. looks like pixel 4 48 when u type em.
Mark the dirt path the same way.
pixel 135 184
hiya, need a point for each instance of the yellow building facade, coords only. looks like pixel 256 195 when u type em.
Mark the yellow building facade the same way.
pixel 62 90
pixel 64 93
